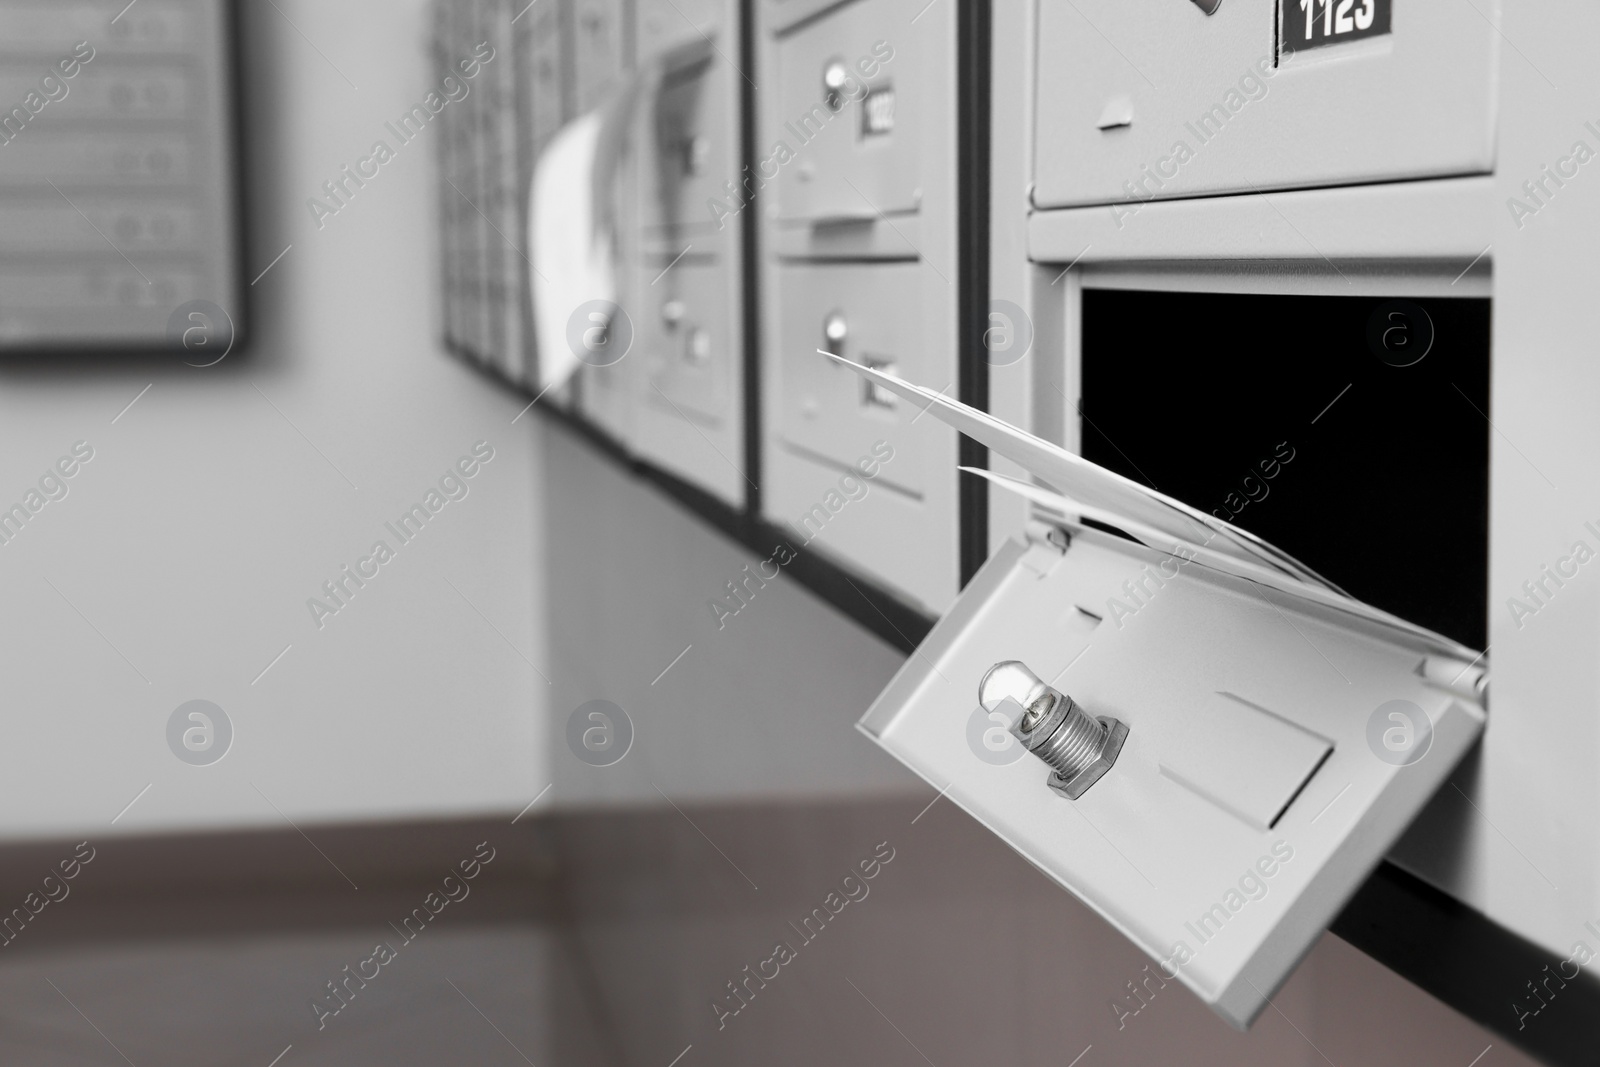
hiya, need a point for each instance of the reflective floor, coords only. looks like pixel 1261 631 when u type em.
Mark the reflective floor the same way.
pixel 611 939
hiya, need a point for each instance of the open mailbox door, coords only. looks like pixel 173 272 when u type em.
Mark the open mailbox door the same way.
pixel 1197 736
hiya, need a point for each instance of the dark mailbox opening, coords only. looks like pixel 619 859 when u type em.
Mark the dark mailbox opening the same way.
pixel 1351 432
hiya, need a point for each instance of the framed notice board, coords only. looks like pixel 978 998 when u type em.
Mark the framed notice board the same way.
pixel 118 176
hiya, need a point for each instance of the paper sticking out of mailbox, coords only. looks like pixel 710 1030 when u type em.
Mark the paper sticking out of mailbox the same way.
pixel 1075 489
pixel 573 217
pixel 573 258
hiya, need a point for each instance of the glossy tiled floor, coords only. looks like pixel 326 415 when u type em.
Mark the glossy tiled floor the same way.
pixel 244 1001
pixel 604 940
pixel 960 953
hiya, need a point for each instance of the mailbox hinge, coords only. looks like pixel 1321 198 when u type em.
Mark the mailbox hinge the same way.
pixel 1040 532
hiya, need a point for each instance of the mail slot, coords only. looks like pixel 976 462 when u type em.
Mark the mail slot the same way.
pixel 846 138
pixel 1149 99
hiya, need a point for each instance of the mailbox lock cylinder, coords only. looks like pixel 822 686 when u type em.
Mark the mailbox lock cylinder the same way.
pixel 1079 747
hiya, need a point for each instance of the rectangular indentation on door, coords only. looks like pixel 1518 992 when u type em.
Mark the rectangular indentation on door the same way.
pixel 1243 758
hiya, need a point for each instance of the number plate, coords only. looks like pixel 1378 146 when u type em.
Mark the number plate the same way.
pixel 877 112
pixel 1311 24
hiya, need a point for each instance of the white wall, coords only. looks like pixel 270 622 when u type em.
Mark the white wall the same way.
pixel 193 539
pixel 761 704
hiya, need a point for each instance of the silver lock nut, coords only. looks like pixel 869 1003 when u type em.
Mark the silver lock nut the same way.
pixel 1074 787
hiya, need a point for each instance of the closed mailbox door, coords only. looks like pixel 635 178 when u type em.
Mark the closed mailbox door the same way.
pixel 847 135
pixel 826 423
pixel 1148 99
pixel 685 341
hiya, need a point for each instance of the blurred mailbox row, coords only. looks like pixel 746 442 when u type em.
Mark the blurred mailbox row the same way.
pixel 835 230
pixel 665 379
pixel 862 263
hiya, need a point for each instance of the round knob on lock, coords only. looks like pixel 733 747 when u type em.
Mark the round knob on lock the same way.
pixel 834 331
pixel 834 75
pixel 1078 747
pixel 672 313
pixel 1012 678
